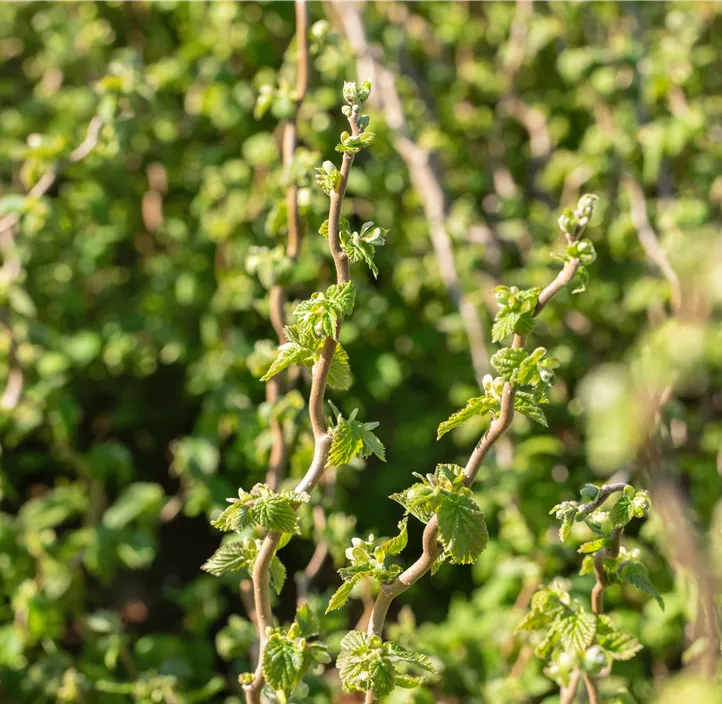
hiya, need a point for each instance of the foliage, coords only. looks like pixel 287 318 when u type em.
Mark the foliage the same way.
pixel 136 329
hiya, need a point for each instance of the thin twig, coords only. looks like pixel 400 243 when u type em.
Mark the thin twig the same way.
pixel 277 295
pixel 424 177
pixel 322 437
pixel 431 547
pixel 649 240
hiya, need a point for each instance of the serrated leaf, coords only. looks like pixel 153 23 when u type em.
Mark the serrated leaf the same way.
pixel 623 511
pixel 339 374
pixel 352 662
pixel 462 529
pixel 278 574
pixel 504 324
pixel 474 407
pixel 234 517
pixel 342 296
pixel 506 361
pixel 576 630
pixel 288 353
pixel 383 676
pixel 307 622
pixel 275 513
pixel 619 646
pixel 408 682
pixel 593 546
pixel 530 410
pixel 229 558
pixel 351 438
pixel 396 652
pixel 396 544
pixel 416 500
pixel 635 573
pixel 343 593
pixel 565 529
pixel 282 663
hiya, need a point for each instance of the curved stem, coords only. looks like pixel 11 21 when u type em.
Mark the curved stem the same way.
pixel 322 438
pixel 497 428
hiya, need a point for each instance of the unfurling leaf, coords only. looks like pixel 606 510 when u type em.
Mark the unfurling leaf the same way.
pixel 480 405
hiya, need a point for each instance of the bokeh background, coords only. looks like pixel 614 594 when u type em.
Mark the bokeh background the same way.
pixel 135 324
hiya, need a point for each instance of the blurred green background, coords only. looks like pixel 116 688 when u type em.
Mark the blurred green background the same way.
pixel 135 325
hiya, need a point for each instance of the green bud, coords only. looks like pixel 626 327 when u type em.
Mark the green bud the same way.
pixel 629 492
pixel 350 94
pixel 375 642
pixel 568 223
pixel 363 92
pixel 590 493
pixel 594 660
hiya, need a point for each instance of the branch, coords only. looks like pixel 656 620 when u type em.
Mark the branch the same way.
pixel 274 387
pixel 497 428
pixel 424 177
pixel 322 437
pixel 649 240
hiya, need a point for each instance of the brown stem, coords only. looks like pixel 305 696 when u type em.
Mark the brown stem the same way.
pixel 590 683
pixel 277 296
pixel 425 178
pixel 569 693
pixel 322 438
pixel 497 428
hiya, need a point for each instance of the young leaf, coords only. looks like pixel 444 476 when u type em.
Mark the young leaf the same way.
pixel 506 361
pixel 342 296
pixel 282 663
pixel 234 517
pixel 339 374
pixel 343 593
pixel 462 529
pixel 395 545
pixel 636 574
pixel 525 406
pixel 383 676
pixel 576 630
pixel 352 437
pixel 230 558
pixel 396 652
pixel 278 574
pixel 593 546
pixel 474 407
pixel 288 353
pixel 619 646
pixel 274 512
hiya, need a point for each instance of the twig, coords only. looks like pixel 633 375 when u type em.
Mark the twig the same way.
pixel 322 437
pixel 649 240
pixel 277 296
pixel 497 428
pixel 424 177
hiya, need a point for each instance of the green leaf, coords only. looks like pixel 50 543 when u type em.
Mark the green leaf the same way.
pixel 565 529
pixel 396 544
pixel 593 546
pixel 307 622
pixel 619 646
pixel 352 662
pixel 396 652
pixel 583 275
pixel 529 409
pixel 234 517
pixel 339 374
pixel 274 512
pixel 288 353
pixel 383 676
pixel 342 296
pixel 416 500
pixel 506 361
pixel 504 323
pixel 474 407
pixel 408 682
pixel 277 574
pixel 635 573
pixel 343 593
pixel 282 663
pixel 623 511
pixel 576 630
pixel 462 529
pixel 230 558
pixel 351 438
